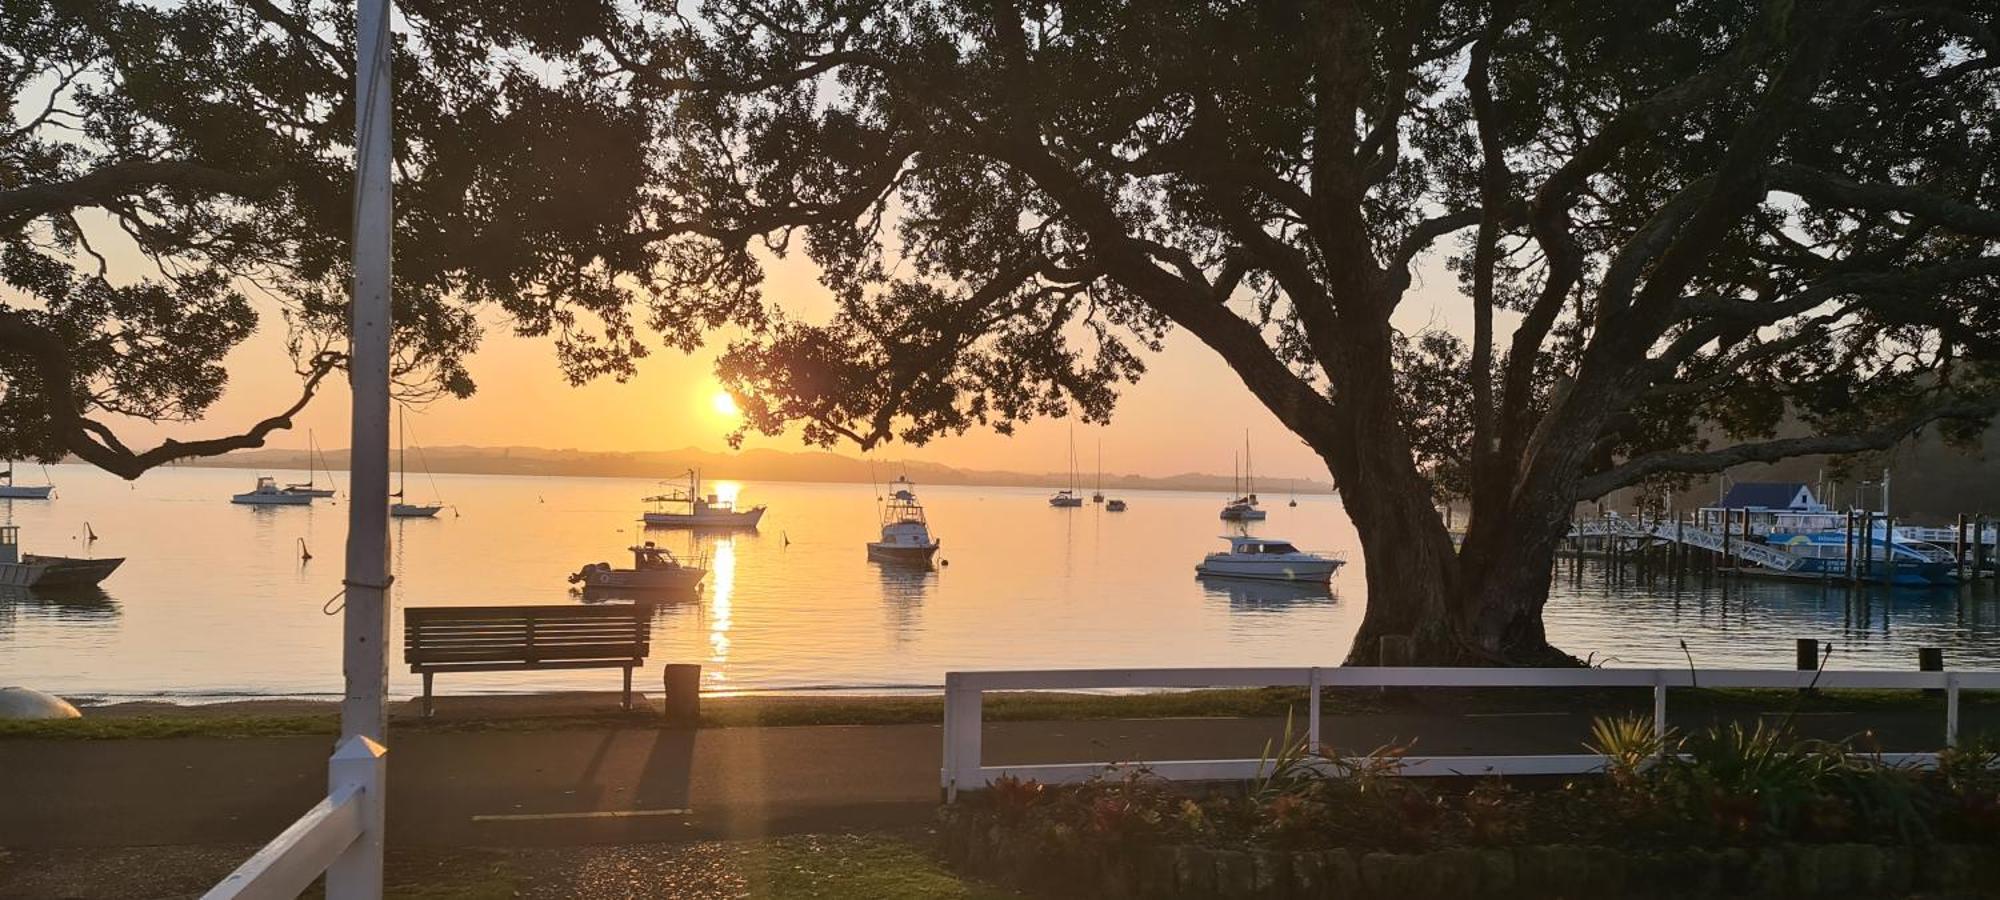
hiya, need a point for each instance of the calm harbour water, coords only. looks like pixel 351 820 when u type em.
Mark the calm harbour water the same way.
pixel 214 602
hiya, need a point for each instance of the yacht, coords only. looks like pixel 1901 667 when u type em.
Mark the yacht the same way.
pixel 315 461
pixel 654 570
pixel 398 509
pixel 1068 498
pixel 692 509
pixel 268 493
pixel 11 491
pixel 1268 558
pixel 906 535
pixel 1244 507
pixel 33 571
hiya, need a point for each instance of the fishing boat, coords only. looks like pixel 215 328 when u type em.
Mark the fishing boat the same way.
pixel 1114 505
pixel 268 493
pixel 315 461
pixel 906 535
pixel 399 509
pixel 654 571
pixel 11 491
pixel 1068 498
pixel 1244 507
pixel 692 509
pixel 47 572
pixel 1268 558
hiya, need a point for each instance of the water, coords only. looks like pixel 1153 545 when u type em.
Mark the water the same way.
pixel 214 601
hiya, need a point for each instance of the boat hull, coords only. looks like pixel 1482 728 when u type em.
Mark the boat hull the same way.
pixel 1250 515
pixel 413 511
pixel 271 500
pixel 642 581
pixel 310 492
pixel 1317 571
pixel 57 571
pixel 909 554
pixel 1066 502
pixel 733 519
pixel 25 491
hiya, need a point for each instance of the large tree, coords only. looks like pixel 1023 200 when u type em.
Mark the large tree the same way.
pixel 1674 224
pixel 162 164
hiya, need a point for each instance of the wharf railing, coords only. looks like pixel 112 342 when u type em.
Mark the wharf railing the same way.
pixel 965 767
pixel 341 837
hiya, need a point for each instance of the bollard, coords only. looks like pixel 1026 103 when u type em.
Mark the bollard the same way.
pixel 1931 659
pixel 681 699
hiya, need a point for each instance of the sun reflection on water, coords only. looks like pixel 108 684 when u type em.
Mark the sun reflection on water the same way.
pixel 722 584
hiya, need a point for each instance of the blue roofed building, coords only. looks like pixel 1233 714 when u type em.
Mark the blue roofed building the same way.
pixel 1771 496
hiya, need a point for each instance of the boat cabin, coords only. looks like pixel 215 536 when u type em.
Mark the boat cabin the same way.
pixel 10 544
pixel 1259 546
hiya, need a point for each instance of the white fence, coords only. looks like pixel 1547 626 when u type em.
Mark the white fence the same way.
pixel 964 764
pixel 341 837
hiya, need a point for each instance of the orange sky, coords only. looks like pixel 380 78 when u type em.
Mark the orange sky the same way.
pixel 1188 414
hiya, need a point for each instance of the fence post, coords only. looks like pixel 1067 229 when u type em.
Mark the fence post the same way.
pixel 1660 709
pixel 361 764
pixel 1951 709
pixel 1312 708
pixel 962 755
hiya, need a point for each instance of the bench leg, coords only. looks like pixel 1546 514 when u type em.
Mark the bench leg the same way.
pixel 427 695
pixel 628 688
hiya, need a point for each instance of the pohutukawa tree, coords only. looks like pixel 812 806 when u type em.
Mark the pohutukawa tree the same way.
pixel 161 163
pixel 1673 224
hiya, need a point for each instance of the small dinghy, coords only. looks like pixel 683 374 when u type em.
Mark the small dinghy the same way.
pixel 654 571
pixel 43 572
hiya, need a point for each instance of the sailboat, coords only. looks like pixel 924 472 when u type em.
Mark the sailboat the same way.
pixel 11 491
pixel 1244 507
pixel 311 488
pixel 1068 498
pixel 399 509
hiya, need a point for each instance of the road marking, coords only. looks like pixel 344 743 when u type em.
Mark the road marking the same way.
pixel 598 814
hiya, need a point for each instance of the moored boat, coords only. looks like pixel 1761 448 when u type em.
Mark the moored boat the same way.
pixel 45 572
pixel 906 535
pixel 654 571
pixel 693 509
pixel 314 462
pixel 1268 558
pixel 1114 505
pixel 11 491
pixel 267 493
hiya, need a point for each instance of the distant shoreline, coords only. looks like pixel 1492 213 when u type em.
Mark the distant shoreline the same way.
pixel 753 465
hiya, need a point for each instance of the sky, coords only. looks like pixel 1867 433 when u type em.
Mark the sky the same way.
pixel 1190 413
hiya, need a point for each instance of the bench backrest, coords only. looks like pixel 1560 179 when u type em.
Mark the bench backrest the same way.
pixel 526 634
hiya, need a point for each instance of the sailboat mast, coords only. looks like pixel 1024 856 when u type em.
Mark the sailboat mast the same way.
pixel 402 471
pixel 1249 481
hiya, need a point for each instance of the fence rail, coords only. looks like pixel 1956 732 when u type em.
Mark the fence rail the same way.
pixel 340 836
pixel 964 765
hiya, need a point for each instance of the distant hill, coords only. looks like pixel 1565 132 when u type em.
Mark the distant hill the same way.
pixel 748 465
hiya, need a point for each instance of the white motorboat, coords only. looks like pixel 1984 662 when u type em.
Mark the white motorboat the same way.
pixel 315 461
pixel 1268 558
pixel 34 571
pixel 654 571
pixel 398 508
pixel 692 509
pixel 906 535
pixel 268 493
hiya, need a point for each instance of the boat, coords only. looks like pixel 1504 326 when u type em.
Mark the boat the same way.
pixel 654 571
pixel 1114 505
pixel 268 493
pixel 1244 507
pixel 1097 496
pixel 314 462
pixel 48 572
pixel 1068 498
pixel 906 535
pixel 1268 558
pixel 701 511
pixel 11 491
pixel 399 509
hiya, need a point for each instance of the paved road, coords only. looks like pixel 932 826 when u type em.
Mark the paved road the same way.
pixel 501 788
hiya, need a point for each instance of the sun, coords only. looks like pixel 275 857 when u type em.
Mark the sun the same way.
pixel 725 405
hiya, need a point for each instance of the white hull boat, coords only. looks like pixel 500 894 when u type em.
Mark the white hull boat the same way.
pixel 25 491
pixel 694 510
pixel 906 535
pixel 267 493
pixel 654 571
pixel 315 461
pixel 1268 559
pixel 48 572
pixel 414 510
pixel 1065 500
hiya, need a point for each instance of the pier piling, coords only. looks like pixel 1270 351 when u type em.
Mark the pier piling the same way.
pixel 1808 654
pixel 1930 659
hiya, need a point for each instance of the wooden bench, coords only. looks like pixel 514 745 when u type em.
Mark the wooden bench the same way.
pixel 510 638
